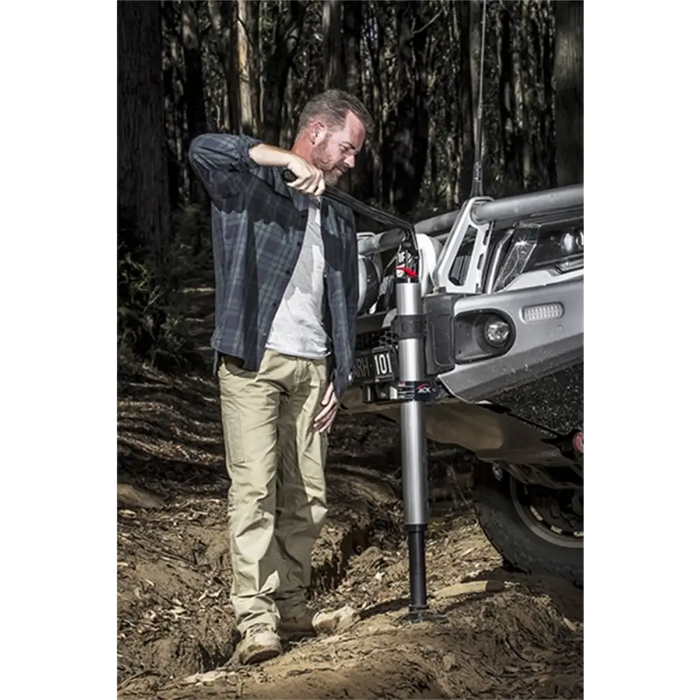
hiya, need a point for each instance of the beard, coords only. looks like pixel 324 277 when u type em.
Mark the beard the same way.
pixel 321 158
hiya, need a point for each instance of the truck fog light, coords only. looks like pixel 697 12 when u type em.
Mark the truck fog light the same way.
pixel 496 332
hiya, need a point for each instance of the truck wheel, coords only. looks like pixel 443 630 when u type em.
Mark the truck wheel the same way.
pixel 534 528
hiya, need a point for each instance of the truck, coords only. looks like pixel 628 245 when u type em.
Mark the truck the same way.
pixel 501 284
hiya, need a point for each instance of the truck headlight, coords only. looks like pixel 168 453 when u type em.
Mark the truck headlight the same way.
pixel 538 246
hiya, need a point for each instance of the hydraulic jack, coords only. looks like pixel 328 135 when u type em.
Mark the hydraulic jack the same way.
pixel 413 390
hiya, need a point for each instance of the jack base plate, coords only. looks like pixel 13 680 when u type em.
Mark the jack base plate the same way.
pixel 415 615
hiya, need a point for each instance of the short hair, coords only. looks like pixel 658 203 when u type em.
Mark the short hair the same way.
pixel 332 106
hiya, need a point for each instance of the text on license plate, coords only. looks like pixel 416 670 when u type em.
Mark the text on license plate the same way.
pixel 377 365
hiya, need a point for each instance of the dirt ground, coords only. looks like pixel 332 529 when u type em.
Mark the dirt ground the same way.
pixel 500 634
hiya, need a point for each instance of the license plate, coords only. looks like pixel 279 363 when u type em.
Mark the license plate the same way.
pixel 375 366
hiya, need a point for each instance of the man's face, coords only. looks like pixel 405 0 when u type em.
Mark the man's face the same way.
pixel 335 149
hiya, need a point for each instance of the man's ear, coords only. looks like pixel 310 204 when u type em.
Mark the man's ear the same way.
pixel 317 132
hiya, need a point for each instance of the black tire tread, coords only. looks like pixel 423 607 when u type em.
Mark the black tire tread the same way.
pixel 512 539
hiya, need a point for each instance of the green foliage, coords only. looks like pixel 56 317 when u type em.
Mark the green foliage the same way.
pixel 152 316
pixel 191 253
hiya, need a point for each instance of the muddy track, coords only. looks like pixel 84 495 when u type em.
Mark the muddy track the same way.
pixel 173 578
pixel 502 634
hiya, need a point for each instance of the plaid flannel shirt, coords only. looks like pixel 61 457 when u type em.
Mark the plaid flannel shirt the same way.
pixel 258 227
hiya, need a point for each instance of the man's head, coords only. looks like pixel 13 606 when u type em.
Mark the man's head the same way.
pixel 332 130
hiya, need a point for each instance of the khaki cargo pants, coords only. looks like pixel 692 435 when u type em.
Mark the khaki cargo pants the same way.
pixel 277 498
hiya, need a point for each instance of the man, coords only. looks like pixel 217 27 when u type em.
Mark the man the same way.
pixel 286 299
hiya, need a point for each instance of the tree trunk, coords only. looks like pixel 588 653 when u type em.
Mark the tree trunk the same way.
pixel 511 154
pixel 261 65
pixel 176 59
pixel 375 49
pixel 287 35
pixel 433 164
pixel 194 89
pixel 520 89
pixel 421 119
pixel 352 26
pixel 256 56
pixel 234 97
pixel 287 133
pixel 142 191
pixel 222 15
pixel 332 45
pixel 407 149
pixel 245 72
pixel 194 80
pixel 539 131
pixel 172 88
pixel 568 85
pixel 351 33
pixel 548 136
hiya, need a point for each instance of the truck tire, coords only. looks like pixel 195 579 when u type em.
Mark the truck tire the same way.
pixel 524 542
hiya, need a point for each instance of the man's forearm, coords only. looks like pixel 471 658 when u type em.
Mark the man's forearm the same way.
pixel 308 179
pixel 270 156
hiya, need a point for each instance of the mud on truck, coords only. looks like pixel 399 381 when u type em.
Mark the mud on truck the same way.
pixel 501 288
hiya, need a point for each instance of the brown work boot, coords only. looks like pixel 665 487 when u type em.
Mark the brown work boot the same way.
pixel 312 623
pixel 259 643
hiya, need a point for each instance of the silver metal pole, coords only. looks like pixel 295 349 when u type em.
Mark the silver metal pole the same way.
pixel 413 390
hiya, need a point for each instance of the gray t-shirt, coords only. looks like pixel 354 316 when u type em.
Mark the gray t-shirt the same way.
pixel 297 328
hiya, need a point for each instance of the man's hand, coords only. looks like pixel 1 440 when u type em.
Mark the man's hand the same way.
pixel 326 416
pixel 309 178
